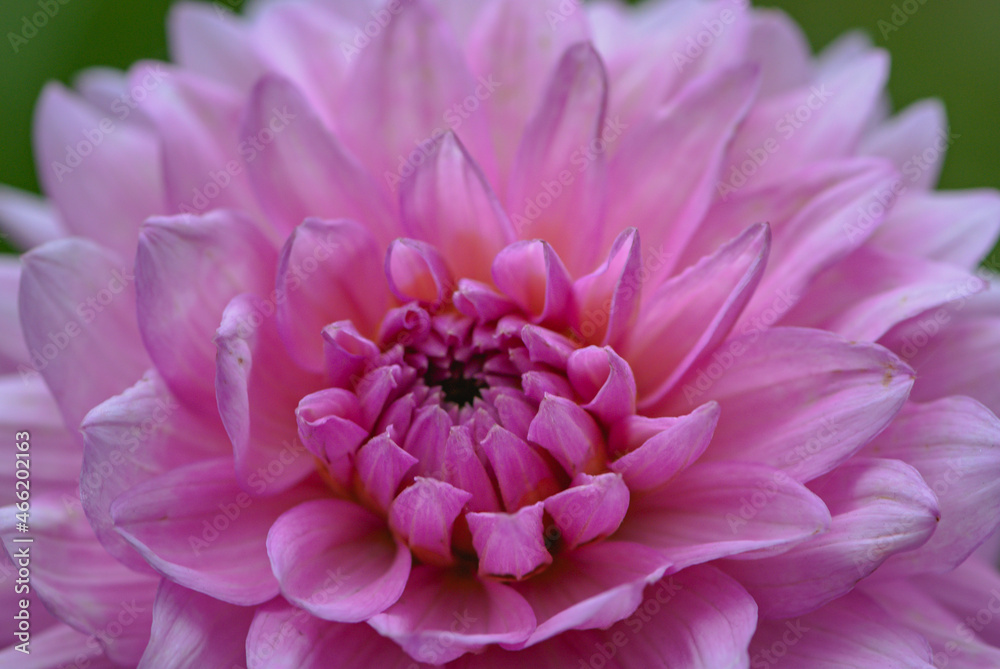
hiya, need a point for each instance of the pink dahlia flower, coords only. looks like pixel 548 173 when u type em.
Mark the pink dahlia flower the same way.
pixel 506 334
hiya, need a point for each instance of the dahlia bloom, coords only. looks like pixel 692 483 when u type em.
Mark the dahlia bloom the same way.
pixel 503 334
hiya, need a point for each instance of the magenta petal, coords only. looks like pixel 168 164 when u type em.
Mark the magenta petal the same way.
pixel 593 587
pixel 328 427
pixel 532 275
pixel 604 382
pixel 694 312
pixel 590 510
pixel 546 346
pixel 443 614
pixel 337 560
pixel 509 545
pixel 478 300
pixel 570 116
pixel 191 630
pixel 381 468
pixel 569 434
pixel 694 519
pixel 608 298
pixel 329 271
pixel 855 390
pixel 347 354
pixel 182 289
pixel 423 516
pixel 852 631
pixel 522 474
pixel 953 444
pixel 77 335
pixel 283 636
pixel 449 203
pixel 304 171
pixel 258 390
pixel 879 507
pixel 417 271
pixel 175 521
pixel 459 464
pixel 657 449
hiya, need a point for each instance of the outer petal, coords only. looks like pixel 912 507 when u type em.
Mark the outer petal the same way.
pixel 337 560
pixel 195 525
pixel 443 615
pixel 191 630
pixel 694 520
pixel 608 298
pixel 187 270
pixel 955 445
pixel 55 647
pixel 879 507
pixel 761 379
pixel 904 139
pixel 77 308
pixel 258 391
pixel 28 219
pixel 852 631
pixel 13 351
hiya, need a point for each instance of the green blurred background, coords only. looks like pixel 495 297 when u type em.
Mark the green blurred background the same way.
pixel 945 49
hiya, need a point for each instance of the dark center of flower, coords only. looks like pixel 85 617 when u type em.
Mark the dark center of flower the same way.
pixel 461 382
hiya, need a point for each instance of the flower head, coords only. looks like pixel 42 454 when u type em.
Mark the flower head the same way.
pixel 515 334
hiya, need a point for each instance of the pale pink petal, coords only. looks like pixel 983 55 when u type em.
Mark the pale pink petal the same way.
pixel 533 276
pixel 444 614
pixel 337 560
pixel 971 592
pixel 196 526
pixel 879 507
pixel 77 309
pixel 852 631
pixel 781 50
pixel 418 272
pixel 28 219
pixel 915 140
pixel 694 519
pixel 192 630
pixel 56 647
pixel 557 179
pixel 955 445
pixel 695 310
pixel 604 383
pixel 449 203
pixel 182 290
pixel 855 390
pixel 258 389
pixel 608 298
pixel 303 171
pixel 209 40
pixel 654 450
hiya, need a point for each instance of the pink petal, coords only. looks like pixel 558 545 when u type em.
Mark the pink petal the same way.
pixel 695 310
pixel 546 346
pixel 957 228
pixel 478 300
pixel 347 354
pixel 303 171
pixel 854 391
pixel 852 631
pixel 694 519
pixel 522 474
pixel 920 129
pixel 192 630
pixel 56 647
pixel 569 434
pixel 509 545
pixel 258 390
pixel 402 89
pixel 449 203
pixel 532 275
pixel 103 177
pixel 285 637
pixel 423 515
pixel 14 354
pixel 555 182
pixel 444 614
pixel 133 437
pixel 77 309
pixel 328 422
pixel 608 298
pixel 28 219
pixel 337 560
pixel 176 520
pixel 381 467
pixel 657 449
pixel 604 382
pixel 418 271
pixel 879 507
pixel 592 509
pixel 963 592
pixel 210 41
pixel 694 131
pixel 182 290
pixel 953 443
pixel 781 50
